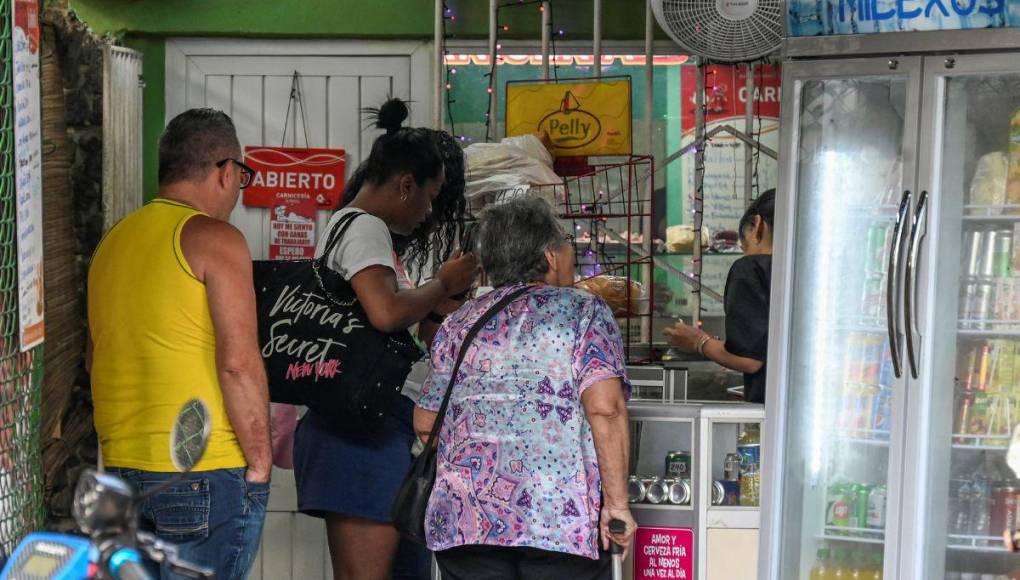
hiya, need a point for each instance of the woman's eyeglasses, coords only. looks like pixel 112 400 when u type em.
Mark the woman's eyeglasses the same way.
pixel 247 173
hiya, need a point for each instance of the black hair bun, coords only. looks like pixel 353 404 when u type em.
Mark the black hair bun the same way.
pixel 391 115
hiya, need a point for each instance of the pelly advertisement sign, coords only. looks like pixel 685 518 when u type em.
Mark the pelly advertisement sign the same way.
pixel 580 117
pixel 836 17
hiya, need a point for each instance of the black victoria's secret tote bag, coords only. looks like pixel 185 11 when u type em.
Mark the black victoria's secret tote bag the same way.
pixel 320 349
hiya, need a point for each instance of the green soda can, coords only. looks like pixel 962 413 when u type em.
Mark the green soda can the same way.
pixel 862 494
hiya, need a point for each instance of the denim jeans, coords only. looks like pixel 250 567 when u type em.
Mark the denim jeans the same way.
pixel 213 517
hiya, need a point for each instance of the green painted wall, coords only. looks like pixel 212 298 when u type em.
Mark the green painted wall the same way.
pixel 623 19
pixel 144 25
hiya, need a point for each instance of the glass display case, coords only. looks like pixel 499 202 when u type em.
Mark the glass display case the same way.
pixel 696 468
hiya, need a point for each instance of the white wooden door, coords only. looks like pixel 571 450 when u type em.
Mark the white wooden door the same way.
pixel 251 81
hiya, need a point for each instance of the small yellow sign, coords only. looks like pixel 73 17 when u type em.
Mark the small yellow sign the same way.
pixel 587 117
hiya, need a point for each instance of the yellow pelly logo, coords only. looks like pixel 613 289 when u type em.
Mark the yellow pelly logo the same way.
pixel 571 127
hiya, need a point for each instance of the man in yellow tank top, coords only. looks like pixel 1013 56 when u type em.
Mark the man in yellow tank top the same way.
pixel 171 310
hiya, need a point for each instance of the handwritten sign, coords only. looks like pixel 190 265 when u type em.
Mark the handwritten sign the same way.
pixel 664 553
pixel 580 118
pixel 294 173
pixel 727 101
pixel 28 172
pixel 835 17
pixel 292 229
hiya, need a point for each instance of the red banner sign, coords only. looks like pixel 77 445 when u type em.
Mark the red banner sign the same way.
pixel 292 229
pixel 664 553
pixel 726 92
pixel 294 173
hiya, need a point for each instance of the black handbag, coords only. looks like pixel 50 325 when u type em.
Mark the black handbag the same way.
pixel 319 348
pixel 412 499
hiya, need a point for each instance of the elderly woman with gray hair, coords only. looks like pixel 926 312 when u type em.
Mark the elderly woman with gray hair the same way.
pixel 533 452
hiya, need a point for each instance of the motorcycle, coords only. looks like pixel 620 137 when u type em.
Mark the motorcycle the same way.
pixel 106 509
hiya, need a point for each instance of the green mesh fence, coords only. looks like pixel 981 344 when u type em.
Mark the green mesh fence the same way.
pixel 20 373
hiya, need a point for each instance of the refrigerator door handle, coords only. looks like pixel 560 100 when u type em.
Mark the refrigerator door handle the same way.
pixel 892 278
pixel 909 290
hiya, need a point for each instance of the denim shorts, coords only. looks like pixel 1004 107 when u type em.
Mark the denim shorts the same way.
pixel 213 517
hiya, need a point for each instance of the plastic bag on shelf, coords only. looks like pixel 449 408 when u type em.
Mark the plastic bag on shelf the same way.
pixel 508 169
pixel 988 188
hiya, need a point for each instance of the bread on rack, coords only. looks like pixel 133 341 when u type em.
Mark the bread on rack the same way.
pixel 614 291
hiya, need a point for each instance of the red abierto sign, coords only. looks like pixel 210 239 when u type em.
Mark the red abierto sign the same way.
pixel 726 92
pixel 664 553
pixel 293 173
pixel 292 229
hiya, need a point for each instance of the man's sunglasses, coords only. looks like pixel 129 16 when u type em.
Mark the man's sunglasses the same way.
pixel 247 173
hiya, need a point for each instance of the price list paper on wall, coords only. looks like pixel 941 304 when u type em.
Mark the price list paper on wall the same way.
pixel 664 553
pixel 28 172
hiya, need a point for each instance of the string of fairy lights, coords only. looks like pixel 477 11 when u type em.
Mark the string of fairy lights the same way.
pixel 597 240
pixel 502 28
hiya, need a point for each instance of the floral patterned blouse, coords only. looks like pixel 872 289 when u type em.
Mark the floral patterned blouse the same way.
pixel 516 458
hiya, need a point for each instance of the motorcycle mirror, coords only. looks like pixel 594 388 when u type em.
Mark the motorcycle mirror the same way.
pixel 190 435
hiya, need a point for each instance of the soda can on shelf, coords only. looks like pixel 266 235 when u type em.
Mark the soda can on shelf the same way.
pixel 657 492
pixel 882 413
pixel 873 297
pixel 859 507
pixel 1002 262
pixel 972 242
pixel 981 304
pixel 886 372
pixel 718 493
pixel 876 508
pixel 1004 508
pixel 635 489
pixel 1016 247
pixel 731 467
pixel 680 492
pixel 678 464
pixel 872 359
pixel 875 258
pixel 731 491
pixel 968 296
pixel 988 249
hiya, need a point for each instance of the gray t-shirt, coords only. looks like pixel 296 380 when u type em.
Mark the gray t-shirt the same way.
pixel 367 243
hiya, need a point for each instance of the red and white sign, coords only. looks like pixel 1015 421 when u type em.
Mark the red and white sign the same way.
pixel 726 92
pixel 664 553
pixel 294 173
pixel 292 229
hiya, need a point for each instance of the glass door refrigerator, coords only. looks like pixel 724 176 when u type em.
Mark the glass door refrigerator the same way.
pixel 970 325
pixel 894 362
pixel 837 414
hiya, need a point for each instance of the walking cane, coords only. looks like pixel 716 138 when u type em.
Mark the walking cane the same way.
pixel 617 527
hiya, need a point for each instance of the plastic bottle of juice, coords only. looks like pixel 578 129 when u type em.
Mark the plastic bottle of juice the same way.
pixel 837 566
pixel 820 570
pixel 876 567
pixel 859 570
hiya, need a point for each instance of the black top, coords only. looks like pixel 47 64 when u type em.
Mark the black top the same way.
pixel 747 317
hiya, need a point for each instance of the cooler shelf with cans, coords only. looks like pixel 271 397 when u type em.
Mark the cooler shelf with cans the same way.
pixel 696 466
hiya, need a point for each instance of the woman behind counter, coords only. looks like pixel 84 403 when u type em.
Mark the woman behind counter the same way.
pixel 746 305
pixel 538 418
